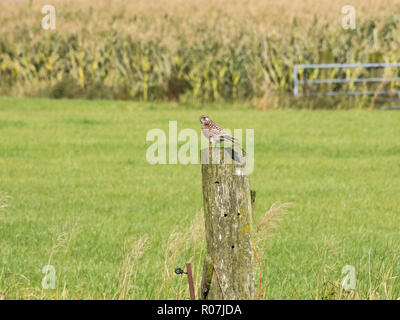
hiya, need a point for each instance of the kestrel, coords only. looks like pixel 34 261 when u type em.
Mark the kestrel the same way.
pixel 213 132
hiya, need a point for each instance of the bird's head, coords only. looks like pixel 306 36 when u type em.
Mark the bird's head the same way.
pixel 204 118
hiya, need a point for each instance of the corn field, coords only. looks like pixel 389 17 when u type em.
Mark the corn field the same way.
pixel 188 50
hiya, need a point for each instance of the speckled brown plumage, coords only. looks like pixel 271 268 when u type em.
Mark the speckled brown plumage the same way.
pixel 213 132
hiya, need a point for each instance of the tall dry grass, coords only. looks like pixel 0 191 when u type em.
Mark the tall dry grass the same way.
pixel 186 50
pixel 263 232
pixel 181 248
pixel 133 252
pixel 378 284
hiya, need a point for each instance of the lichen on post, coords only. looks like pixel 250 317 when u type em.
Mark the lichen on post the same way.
pixel 228 264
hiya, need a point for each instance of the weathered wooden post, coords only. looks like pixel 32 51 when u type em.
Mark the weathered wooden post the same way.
pixel 228 264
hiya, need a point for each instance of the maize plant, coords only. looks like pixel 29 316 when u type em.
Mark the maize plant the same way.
pixel 202 50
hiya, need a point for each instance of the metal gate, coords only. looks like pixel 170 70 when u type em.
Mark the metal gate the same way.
pixel 305 82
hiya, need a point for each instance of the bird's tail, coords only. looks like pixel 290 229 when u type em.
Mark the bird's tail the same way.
pixel 235 141
pixel 232 139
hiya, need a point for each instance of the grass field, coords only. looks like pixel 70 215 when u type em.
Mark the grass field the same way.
pixel 82 197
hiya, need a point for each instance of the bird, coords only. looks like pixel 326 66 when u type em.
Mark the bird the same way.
pixel 213 132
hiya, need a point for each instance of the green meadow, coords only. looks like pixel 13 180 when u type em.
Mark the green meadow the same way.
pixel 77 193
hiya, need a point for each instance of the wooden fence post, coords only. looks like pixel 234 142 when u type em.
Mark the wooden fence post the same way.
pixel 228 264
